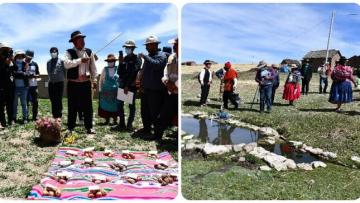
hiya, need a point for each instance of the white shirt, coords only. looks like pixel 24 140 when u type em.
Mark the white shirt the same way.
pixel 85 69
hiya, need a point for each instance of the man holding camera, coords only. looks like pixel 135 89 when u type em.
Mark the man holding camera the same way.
pixel 81 76
pixel 6 85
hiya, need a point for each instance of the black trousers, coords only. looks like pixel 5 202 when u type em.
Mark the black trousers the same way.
pixel 32 97
pixel 204 93
pixel 6 103
pixel 132 110
pixel 228 95
pixel 168 111
pixel 305 86
pixel 151 104
pixel 56 91
pixel 79 93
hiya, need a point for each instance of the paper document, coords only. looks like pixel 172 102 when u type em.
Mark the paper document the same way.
pixel 128 98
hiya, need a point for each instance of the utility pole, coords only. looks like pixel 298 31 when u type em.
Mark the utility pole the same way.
pixel 330 31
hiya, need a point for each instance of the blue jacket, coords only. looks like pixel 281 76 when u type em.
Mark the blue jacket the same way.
pixel 153 71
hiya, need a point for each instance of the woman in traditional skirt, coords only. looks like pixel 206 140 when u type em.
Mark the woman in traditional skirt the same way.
pixel 292 89
pixel 341 89
pixel 108 86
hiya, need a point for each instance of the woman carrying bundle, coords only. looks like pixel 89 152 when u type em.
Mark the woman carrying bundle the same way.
pixel 341 89
pixel 292 90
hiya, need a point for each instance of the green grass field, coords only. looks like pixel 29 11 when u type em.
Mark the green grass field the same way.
pixel 312 120
pixel 23 161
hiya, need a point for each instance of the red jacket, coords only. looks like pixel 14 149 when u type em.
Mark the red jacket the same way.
pixel 229 77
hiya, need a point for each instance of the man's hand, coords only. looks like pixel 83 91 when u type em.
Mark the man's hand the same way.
pixel 126 90
pixel 141 55
pixel 85 60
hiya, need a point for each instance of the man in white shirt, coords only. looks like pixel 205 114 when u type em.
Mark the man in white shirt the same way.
pixel 205 79
pixel 81 77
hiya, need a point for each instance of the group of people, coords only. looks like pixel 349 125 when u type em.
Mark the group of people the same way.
pixel 296 84
pixel 18 80
pixel 153 77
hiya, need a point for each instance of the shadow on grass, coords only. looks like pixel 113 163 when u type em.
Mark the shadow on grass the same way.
pixel 349 113
pixel 318 110
pixel 40 143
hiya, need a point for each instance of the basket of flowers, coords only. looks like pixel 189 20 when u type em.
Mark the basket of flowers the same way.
pixel 49 129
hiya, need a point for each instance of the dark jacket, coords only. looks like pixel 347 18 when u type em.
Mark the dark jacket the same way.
pixel 306 72
pixel 128 70
pixel 21 75
pixel 153 71
pixel 6 73
pixel 260 78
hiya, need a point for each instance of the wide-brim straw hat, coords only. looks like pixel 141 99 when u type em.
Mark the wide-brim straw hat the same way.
pixel 19 52
pixel 152 40
pixel 4 45
pixel 111 57
pixel 130 43
pixel 261 64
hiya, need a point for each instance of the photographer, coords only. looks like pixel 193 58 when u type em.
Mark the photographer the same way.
pixel 6 85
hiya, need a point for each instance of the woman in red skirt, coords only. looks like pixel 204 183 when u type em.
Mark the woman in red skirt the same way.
pixel 292 90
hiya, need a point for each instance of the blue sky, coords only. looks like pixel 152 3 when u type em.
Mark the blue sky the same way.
pixel 41 26
pixel 246 33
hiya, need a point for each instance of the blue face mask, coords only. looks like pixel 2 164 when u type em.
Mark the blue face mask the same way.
pixel 19 60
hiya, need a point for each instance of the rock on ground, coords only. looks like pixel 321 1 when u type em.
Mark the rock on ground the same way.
pixel 250 147
pixel 356 159
pixel 317 164
pixel 217 149
pixel 305 166
pixel 238 147
pixel 265 168
pixel 267 131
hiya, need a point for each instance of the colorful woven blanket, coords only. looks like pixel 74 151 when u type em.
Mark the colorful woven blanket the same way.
pixel 80 177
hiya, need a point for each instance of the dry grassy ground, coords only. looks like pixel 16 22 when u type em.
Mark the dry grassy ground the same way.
pixel 312 120
pixel 23 160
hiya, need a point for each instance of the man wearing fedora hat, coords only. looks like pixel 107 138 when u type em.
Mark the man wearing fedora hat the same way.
pixel 306 73
pixel 264 77
pixel 6 84
pixel 205 79
pixel 81 77
pixel 128 69
pixel 152 97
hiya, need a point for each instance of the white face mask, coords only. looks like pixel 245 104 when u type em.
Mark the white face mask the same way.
pixel 54 55
pixel 111 64
pixel 128 51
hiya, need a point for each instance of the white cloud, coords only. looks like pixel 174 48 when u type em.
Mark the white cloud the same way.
pixel 48 19
pixel 265 31
pixel 166 26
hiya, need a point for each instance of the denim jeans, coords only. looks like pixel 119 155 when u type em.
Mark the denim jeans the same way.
pixel 20 92
pixel 265 97
pixel 325 82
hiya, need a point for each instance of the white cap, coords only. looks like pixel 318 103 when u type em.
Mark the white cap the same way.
pixel 4 45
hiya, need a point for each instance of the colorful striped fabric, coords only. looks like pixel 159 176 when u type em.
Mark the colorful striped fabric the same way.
pixel 76 188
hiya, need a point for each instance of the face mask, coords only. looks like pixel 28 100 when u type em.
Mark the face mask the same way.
pixel 111 64
pixel 19 60
pixel 128 51
pixel 54 55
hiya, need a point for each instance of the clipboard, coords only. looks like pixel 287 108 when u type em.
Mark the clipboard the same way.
pixel 128 98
